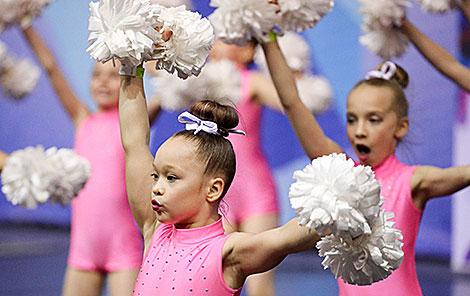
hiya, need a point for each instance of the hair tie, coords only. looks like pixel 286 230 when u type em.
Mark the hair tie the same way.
pixel 195 123
pixel 386 72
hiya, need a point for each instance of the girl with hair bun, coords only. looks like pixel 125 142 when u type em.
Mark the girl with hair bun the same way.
pixel 377 112
pixel 175 200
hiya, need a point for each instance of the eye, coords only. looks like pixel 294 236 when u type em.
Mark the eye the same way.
pixel 154 176
pixel 350 120
pixel 171 178
pixel 375 119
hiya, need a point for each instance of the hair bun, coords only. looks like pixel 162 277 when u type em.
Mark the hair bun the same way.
pixel 401 76
pixel 225 116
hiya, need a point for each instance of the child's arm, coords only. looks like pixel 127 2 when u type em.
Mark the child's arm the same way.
pixel 3 159
pixel 314 142
pixel 429 182
pixel 443 61
pixel 135 132
pixel 74 107
pixel 246 254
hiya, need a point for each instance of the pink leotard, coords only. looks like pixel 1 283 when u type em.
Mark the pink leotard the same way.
pixel 395 180
pixel 104 235
pixel 253 191
pixel 184 262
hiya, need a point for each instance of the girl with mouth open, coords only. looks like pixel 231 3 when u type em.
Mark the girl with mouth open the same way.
pixel 377 112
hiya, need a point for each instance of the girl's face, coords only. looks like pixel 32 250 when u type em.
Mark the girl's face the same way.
pixel 241 56
pixel 179 194
pixel 104 85
pixel 373 126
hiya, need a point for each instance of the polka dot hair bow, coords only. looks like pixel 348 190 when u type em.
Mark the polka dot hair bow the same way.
pixel 195 123
pixel 386 72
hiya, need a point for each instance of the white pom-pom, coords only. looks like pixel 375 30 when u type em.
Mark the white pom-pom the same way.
pixel 220 82
pixel 27 177
pixel 385 43
pixel 299 15
pixel 315 92
pixel 32 176
pixel 383 14
pixel 18 78
pixel 22 11
pixel 237 22
pixel 172 3
pixel 174 94
pixel 123 29
pixel 332 193
pixel 71 173
pixel 365 259
pixel 381 21
pixel 295 49
pixel 188 47
pixel 439 6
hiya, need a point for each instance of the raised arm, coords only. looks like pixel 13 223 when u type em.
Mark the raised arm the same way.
pixel 246 254
pixel 3 159
pixel 135 133
pixel 442 60
pixel 74 107
pixel 430 182
pixel 314 142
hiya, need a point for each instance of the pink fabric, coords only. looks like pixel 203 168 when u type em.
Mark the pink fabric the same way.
pixel 184 262
pixel 253 191
pixel 395 180
pixel 104 235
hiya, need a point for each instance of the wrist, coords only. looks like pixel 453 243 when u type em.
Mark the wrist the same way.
pixel 133 71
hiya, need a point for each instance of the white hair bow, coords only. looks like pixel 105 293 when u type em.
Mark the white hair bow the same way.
pixel 386 72
pixel 197 124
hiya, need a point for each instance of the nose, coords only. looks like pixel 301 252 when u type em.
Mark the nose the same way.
pixel 157 189
pixel 361 129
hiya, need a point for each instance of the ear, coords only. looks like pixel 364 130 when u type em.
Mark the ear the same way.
pixel 402 128
pixel 215 189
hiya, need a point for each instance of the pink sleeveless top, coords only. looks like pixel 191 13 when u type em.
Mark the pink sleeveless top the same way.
pixel 395 180
pixel 104 235
pixel 253 191
pixel 184 262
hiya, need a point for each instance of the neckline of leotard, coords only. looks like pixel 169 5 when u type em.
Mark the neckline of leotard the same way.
pixel 195 235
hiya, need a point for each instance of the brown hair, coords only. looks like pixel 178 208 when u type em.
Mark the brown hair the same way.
pixel 215 150
pixel 397 84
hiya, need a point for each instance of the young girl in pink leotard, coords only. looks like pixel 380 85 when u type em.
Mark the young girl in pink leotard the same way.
pixel 376 121
pixel 104 237
pixel 186 250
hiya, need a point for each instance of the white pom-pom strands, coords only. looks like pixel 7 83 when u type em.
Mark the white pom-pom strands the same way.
pixel 367 258
pixel 132 31
pixel 32 176
pixel 439 6
pixel 219 81
pixel 299 15
pixel 381 22
pixel 315 92
pixel 188 47
pixel 237 22
pixel 332 193
pixel 13 70
pixel 20 11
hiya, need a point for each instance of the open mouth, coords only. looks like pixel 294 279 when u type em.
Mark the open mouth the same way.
pixel 363 149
